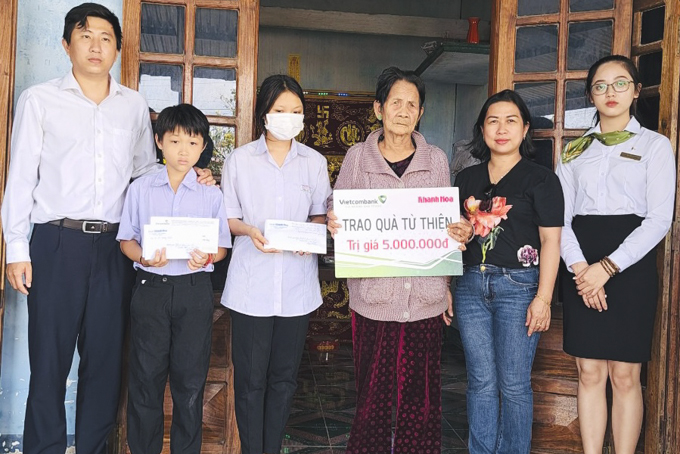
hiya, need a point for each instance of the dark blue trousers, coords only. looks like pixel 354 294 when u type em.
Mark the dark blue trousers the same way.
pixel 266 352
pixel 170 336
pixel 80 298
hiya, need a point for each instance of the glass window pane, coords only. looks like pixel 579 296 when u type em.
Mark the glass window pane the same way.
pixel 652 25
pixel 216 32
pixel 543 152
pixel 579 112
pixel 161 85
pixel 536 7
pixel 540 99
pixel 650 69
pixel 590 5
pixel 215 91
pixel 536 49
pixel 588 42
pixel 224 138
pixel 162 29
pixel 648 112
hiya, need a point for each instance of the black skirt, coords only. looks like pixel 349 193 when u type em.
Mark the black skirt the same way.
pixel 624 331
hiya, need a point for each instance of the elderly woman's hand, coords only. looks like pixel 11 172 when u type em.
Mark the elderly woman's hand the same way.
pixel 462 232
pixel 332 225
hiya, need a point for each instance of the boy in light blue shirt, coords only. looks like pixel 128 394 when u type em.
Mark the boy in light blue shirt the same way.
pixel 172 304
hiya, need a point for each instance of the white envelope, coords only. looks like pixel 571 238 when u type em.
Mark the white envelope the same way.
pixel 179 236
pixel 295 236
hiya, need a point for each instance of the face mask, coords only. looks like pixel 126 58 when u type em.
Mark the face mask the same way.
pixel 284 126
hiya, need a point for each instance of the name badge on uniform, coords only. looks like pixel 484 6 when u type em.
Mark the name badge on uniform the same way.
pixel 634 157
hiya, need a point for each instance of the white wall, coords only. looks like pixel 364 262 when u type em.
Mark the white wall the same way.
pixel 469 100
pixel 438 123
pixel 40 57
pixel 40 26
pixel 335 61
pixel 349 62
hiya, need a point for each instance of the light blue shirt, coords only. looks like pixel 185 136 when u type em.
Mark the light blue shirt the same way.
pixel 152 195
pixel 256 189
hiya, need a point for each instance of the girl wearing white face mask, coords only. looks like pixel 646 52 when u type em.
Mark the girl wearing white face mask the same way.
pixel 271 293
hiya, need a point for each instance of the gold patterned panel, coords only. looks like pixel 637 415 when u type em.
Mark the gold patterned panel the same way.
pixel 334 164
pixel 334 123
pixel 333 317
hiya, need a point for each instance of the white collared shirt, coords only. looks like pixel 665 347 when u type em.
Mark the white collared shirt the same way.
pixel 72 158
pixel 611 180
pixel 256 189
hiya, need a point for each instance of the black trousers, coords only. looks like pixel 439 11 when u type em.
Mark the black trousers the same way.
pixel 266 352
pixel 170 335
pixel 79 296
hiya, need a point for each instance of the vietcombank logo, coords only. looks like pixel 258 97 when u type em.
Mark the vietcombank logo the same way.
pixel 382 198
pixel 367 202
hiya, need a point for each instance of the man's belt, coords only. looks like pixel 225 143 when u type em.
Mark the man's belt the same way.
pixel 87 226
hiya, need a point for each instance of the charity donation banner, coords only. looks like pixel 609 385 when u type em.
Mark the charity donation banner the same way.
pixel 396 232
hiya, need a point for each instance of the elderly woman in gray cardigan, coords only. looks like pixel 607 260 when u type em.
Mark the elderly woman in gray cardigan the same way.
pixel 396 324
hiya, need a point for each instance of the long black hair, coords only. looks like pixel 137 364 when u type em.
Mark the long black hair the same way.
pixel 628 65
pixel 271 89
pixel 480 150
pixel 77 17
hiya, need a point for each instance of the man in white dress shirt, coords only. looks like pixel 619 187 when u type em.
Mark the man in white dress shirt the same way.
pixel 77 142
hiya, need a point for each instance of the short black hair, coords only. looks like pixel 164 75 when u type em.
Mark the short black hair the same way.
pixel 392 75
pixel 271 89
pixel 185 117
pixel 78 15
pixel 480 149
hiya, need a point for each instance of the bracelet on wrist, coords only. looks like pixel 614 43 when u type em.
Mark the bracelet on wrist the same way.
pixel 472 235
pixel 546 301
pixel 211 258
pixel 609 266
pixel 617 270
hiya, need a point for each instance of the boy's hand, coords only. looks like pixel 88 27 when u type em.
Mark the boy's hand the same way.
pixel 198 260
pixel 157 261
pixel 205 176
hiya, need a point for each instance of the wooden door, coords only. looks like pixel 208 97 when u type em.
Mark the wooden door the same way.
pixel 655 48
pixel 202 52
pixel 8 35
pixel 543 50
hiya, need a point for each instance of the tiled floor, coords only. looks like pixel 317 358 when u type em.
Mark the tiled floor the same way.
pixel 323 406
